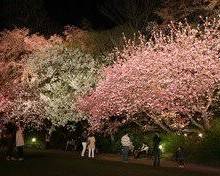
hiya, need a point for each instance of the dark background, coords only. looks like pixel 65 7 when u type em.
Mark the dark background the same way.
pixel 49 16
pixel 73 11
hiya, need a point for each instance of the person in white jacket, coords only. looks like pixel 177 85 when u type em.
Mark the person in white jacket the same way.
pixel 91 146
pixel 126 146
pixel 20 142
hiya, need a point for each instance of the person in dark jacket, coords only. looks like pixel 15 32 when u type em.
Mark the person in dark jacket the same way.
pixel 47 140
pixel 180 157
pixel 84 137
pixel 3 141
pixel 156 150
pixel 11 139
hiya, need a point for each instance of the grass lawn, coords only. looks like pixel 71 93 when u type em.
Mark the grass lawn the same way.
pixel 64 164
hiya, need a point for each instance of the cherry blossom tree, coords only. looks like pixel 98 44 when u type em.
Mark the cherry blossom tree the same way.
pixel 3 103
pixel 61 74
pixel 171 79
pixel 26 107
pixel 15 46
pixel 41 78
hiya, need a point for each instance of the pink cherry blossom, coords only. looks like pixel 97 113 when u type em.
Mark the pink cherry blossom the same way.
pixel 169 74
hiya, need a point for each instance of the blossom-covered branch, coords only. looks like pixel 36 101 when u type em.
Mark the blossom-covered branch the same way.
pixel 174 73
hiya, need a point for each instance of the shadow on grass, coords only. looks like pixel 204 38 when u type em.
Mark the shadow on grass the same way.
pixel 52 163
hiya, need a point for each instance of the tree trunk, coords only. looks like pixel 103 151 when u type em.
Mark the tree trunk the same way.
pixel 196 123
pixel 112 138
pixel 205 120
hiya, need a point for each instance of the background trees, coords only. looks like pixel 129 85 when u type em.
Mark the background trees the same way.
pixel 134 13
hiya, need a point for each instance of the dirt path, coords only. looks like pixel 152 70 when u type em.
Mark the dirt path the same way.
pixel 164 163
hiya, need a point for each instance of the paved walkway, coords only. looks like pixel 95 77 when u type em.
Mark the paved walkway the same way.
pixel 164 163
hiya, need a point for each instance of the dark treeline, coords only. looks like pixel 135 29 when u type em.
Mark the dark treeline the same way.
pixel 49 16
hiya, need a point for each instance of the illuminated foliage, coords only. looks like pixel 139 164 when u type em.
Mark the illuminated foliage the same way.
pixel 15 47
pixel 61 74
pixel 169 78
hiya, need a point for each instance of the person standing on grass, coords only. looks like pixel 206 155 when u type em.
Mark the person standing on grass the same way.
pixel 156 150
pixel 20 142
pixel 126 146
pixel 47 140
pixel 180 157
pixel 84 143
pixel 91 146
pixel 10 139
pixel 2 138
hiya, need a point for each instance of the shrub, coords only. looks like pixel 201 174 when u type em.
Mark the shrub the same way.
pixel 208 151
pixel 200 150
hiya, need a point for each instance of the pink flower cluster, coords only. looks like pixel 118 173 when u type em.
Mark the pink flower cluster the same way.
pixel 176 72
pixel 15 47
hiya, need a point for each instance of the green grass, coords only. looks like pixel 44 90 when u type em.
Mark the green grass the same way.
pixel 65 164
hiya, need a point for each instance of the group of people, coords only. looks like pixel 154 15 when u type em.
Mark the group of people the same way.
pixel 127 146
pixel 88 142
pixel 12 137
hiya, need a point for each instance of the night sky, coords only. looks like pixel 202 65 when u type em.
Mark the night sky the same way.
pixel 50 16
pixel 56 13
pixel 72 11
